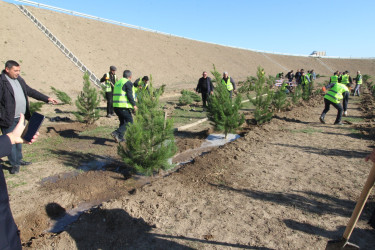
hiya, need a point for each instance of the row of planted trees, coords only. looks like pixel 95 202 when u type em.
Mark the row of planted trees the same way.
pixel 150 142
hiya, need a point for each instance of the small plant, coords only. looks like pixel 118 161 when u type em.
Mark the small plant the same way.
pixel 62 96
pixel 150 139
pixel 366 78
pixel 35 106
pixel 216 74
pixel 306 92
pixel 297 94
pixel 248 85
pixel 280 100
pixel 263 99
pixel 185 99
pixel 188 97
pixel 87 103
pixel 222 111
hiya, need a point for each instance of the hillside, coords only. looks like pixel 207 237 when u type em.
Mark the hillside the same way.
pixel 174 61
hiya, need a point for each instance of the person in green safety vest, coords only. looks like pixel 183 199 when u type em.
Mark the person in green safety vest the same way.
pixel 304 80
pixel 229 83
pixel 285 87
pixel 333 97
pixel 346 80
pixel 140 84
pixel 358 81
pixel 110 79
pixel 123 104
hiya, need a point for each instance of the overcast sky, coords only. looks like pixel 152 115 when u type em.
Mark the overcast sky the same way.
pixel 341 28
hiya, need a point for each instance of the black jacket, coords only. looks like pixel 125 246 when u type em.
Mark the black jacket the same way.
pixel 9 234
pixel 208 88
pixel 8 104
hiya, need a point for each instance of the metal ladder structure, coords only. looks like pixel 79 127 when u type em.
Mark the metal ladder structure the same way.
pixel 60 45
pixel 272 60
pixel 325 65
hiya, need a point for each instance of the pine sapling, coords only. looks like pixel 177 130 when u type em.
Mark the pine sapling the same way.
pixel 87 103
pixel 150 139
pixel 263 99
pixel 223 112
pixel 62 96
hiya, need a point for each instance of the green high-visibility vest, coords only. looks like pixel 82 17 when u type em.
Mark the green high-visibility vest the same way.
pixel 335 93
pixel 345 79
pixel 309 75
pixel 334 79
pixel 283 86
pixel 359 79
pixel 228 84
pixel 108 86
pixel 120 99
pixel 304 80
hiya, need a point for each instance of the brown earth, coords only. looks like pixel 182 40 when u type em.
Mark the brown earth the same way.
pixel 289 184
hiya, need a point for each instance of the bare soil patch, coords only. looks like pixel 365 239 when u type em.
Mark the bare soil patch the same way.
pixel 289 184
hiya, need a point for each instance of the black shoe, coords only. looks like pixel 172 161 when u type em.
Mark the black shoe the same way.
pixel 25 163
pixel 15 169
pixel 338 123
pixel 115 136
pixel 322 120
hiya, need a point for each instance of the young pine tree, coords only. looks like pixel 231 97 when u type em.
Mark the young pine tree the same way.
pixel 62 96
pixel 150 139
pixel 222 111
pixel 297 94
pixel 87 103
pixel 262 100
pixel 280 100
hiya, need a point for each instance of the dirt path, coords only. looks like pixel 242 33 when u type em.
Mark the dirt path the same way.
pixel 290 184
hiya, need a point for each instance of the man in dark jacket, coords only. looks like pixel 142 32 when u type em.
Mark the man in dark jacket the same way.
pixel 9 233
pixel 14 93
pixel 205 87
pixel 123 104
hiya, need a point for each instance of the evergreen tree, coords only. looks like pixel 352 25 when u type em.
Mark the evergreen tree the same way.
pixel 297 94
pixel 87 103
pixel 188 97
pixel 280 100
pixel 62 96
pixel 263 99
pixel 150 139
pixel 216 74
pixel 222 111
pixel 35 106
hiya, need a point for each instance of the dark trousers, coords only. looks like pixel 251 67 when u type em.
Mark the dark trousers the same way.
pixel 336 105
pixel 15 156
pixel 345 100
pixel 205 98
pixel 109 97
pixel 9 234
pixel 230 94
pixel 125 117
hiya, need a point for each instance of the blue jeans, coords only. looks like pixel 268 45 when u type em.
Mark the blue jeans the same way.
pixel 15 156
pixel 125 117
pixel 356 90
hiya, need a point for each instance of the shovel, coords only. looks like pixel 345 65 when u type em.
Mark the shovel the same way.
pixel 344 242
